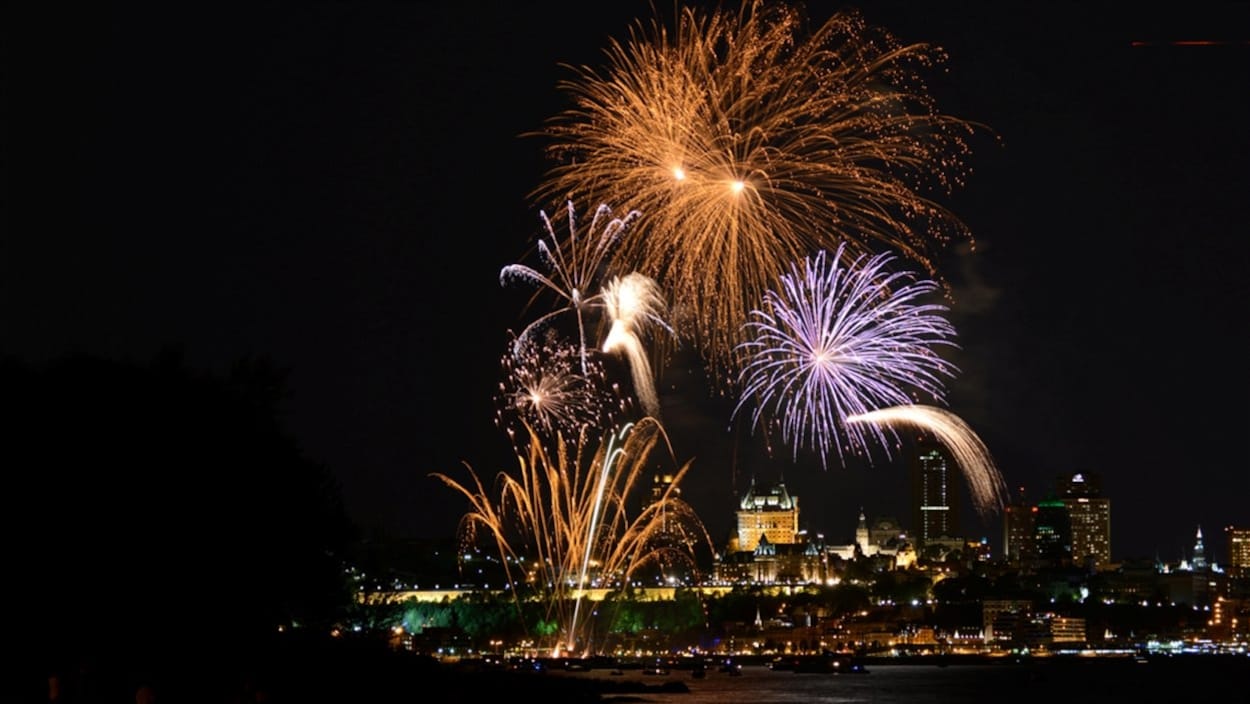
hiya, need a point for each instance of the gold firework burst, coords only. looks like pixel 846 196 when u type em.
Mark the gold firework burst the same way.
pixel 746 144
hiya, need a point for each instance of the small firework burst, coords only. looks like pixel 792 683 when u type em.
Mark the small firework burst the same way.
pixel 544 386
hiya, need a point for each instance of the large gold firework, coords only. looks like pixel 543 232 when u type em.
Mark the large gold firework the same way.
pixel 564 523
pixel 748 143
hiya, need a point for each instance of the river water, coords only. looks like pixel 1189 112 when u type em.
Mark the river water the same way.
pixel 1223 679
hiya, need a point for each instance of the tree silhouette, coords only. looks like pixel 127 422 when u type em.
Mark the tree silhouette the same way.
pixel 164 510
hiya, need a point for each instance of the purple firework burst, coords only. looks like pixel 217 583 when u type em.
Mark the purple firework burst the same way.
pixel 839 339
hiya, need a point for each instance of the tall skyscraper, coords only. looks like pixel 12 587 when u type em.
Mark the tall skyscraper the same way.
pixel 1089 518
pixel 1052 534
pixel 935 493
pixel 1018 517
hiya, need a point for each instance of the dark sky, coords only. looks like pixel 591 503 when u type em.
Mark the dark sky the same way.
pixel 336 187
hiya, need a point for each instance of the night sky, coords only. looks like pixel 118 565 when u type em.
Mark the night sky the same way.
pixel 337 186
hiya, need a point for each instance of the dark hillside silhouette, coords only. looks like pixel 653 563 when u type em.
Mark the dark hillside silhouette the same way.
pixel 161 515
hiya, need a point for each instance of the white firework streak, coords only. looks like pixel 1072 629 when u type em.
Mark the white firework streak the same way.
pixel 986 484
pixel 635 304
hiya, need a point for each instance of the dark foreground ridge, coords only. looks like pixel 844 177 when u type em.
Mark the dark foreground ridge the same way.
pixel 289 669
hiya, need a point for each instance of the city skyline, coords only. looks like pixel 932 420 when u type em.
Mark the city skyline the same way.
pixel 338 189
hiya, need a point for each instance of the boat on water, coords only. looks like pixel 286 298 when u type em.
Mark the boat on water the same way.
pixel 656 668
pixel 828 663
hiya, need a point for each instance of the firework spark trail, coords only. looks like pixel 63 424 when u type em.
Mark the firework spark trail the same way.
pixel 748 143
pixel 566 503
pixel 613 453
pixel 989 491
pixel 635 305
pixel 840 338
pixel 574 268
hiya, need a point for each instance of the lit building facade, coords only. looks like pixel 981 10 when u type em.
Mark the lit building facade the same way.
pixel 1018 528
pixel 935 495
pixel 769 548
pixel 771 513
pixel 1089 518
pixel 1238 550
pixel 993 612
pixel 1052 534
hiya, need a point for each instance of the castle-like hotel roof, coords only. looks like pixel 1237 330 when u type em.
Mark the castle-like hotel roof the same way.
pixel 775 498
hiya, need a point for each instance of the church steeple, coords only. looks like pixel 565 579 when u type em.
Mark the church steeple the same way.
pixel 1200 557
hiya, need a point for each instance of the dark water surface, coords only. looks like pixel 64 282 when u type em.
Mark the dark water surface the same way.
pixel 1197 679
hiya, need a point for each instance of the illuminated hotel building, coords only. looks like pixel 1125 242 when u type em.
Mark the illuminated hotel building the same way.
pixel 771 513
pixel 1089 518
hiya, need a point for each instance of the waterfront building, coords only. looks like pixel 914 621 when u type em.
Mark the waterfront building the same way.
pixel 1052 631
pixel 1230 620
pixel 999 617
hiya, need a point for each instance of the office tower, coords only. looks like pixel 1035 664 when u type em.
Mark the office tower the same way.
pixel 1018 529
pixel 935 493
pixel 1052 534
pixel 1238 550
pixel 1089 518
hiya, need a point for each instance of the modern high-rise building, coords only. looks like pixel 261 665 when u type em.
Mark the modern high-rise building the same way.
pixel 1052 534
pixel 1018 517
pixel 935 493
pixel 1238 550
pixel 1089 518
